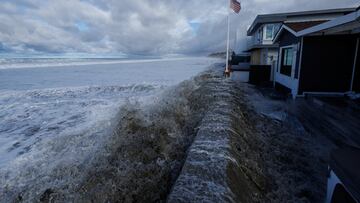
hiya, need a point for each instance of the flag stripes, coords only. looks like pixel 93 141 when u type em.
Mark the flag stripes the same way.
pixel 235 5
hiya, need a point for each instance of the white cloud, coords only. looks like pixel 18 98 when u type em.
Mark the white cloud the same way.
pixel 134 27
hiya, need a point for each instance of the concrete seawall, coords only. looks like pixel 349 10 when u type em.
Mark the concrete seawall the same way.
pixel 249 148
pixel 219 166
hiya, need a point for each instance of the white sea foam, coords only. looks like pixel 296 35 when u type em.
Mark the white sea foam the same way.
pixel 10 63
pixel 28 117
pixel 59 116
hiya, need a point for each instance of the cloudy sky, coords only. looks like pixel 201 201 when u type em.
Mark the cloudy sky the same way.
pixel 145 27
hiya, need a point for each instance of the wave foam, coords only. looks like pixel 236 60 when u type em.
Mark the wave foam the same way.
pixel 134 156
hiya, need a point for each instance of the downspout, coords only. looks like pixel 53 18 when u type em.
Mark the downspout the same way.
pixel 354 66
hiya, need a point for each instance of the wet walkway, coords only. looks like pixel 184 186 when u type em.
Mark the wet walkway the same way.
pixel 298 137
pixel 337 119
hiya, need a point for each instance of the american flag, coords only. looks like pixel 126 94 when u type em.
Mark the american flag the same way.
pixel 235 5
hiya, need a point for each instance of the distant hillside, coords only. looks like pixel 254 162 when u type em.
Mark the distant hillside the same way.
pixel 218 55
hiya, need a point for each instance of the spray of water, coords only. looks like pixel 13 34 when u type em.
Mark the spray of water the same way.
pixel 136 157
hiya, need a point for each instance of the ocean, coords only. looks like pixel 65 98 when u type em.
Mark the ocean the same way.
pixel 60 112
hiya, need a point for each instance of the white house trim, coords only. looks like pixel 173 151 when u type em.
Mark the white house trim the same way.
pixel 288 81
pixel 301 56
pixel 284 27
pixel 299 66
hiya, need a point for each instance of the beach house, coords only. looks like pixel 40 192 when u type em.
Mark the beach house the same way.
pixel 264 49
pixel 319 57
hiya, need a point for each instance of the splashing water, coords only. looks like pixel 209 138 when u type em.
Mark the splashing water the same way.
pixel 53 140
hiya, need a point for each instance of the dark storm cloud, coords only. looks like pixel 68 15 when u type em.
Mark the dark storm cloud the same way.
pixel 134 27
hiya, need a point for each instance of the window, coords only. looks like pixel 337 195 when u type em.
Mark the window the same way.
pixel 288 57
pixel 269 33
pixel 287 61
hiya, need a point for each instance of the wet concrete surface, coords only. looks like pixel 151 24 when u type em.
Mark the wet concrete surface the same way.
pixel 274 149
pixel 336 118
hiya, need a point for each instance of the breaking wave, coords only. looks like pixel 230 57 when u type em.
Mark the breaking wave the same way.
pixel 135 154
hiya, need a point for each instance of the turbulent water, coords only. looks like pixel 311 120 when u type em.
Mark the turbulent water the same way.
pixel 87 132
pixel 6 63
pixel 154 131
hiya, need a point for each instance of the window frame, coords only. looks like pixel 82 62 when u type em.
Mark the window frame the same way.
pixel 272 31
pixel 285 66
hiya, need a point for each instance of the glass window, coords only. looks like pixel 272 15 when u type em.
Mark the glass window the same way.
pixel 269 32
pixel 288 57
pixel 287 61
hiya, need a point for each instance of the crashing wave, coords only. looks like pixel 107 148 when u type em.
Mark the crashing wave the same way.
pixel 136 156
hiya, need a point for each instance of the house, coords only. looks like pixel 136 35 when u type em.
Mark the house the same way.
pixel 262 47
pixel 319 57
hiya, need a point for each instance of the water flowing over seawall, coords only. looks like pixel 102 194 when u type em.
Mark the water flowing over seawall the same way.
pixel 202 140
pixel 185 144
pixel 223 163
pixel 148 147
pixel 139 160
pixel 57 122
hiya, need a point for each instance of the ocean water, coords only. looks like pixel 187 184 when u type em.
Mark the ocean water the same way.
pixel 59 112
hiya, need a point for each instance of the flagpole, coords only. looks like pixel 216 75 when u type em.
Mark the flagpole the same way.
pixel 235 43
pixel 227 71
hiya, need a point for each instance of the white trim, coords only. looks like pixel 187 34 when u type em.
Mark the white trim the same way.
pixel 282 28
pixel 288 81
pixel 279 60
pixel 293 65
pixel 301 56
pixel 332 182
pixel 290 30
pixel 354 66
pixel 265 32
pixel 312 19
pixel 300 64
pixel 333 23
pixel 287 46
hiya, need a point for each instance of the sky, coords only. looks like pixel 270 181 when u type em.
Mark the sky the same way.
pixel 134 27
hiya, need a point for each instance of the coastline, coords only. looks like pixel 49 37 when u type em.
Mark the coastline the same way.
pixel 99 62
pixel 205 139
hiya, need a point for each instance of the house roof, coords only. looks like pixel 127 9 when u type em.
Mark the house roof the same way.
pixel 282 17
pixel 348 22
pixel 298 26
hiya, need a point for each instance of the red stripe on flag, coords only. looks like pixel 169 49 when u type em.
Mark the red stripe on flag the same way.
pixel 235 5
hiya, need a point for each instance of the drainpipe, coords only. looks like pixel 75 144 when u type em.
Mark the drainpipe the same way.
pixel 354 66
